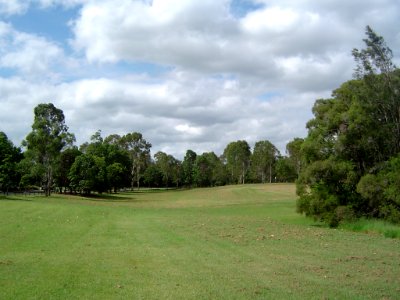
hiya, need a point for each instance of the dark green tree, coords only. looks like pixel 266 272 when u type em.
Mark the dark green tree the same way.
pixel 209 170
pixel 169 167
pixel 237 158
pixel 65 161
pixel 9 159
pixel 351 139
pixel 263 160
pixel 89 173
pixel 49 136
pixel 188 167
pixel 153 176
pixel 285 171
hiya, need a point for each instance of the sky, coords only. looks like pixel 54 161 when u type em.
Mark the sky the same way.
pixel 187 74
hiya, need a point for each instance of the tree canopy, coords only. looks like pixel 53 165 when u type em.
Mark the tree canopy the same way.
pixel 352 146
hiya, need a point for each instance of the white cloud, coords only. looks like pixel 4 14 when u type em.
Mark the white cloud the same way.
pixel 121 106
pixel 12 7
pixel 204 36
pixel 31 55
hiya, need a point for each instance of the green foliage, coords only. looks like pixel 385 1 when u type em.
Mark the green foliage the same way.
pixel 153 176
pixel 88 173
pixel 209 170
pixel 103 166
pixel 139 152
pixel 188 167
pixel 170 168
pixel 263 160
pixel 293 150
pixel 49 136
pixel 237 156
pixel 9 158
pixel 349 156
pixel 65 161
pixel 285 170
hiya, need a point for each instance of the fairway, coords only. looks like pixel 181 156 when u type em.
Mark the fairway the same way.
pixel 233 242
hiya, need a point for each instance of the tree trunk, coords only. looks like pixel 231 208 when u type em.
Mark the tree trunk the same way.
pixel 270 173
pixel 138 177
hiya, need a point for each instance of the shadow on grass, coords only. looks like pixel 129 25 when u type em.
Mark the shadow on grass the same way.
pixel 13 198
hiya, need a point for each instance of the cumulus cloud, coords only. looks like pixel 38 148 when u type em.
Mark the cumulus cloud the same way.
pixel 204 36
pixel 29 54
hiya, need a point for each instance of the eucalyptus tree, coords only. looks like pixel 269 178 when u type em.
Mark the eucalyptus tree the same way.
pixel 209 170
pixel 293 150
pixel 49 136
pixel 170 168
pixel 237 157
pixel 351 152
pixel 188 165
pixel 139 152
pixel 263 160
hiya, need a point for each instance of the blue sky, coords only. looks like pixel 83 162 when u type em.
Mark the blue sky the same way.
pixel 187 74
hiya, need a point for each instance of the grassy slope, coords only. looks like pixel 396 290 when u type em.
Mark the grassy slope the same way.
pixel 242 242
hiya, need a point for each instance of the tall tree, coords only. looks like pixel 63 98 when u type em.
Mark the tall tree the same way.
pixel 139 151
pixel 169 167
pixel 237 156
pixel 383 92
pixel 209 170
pixel 293 150
pixel 263 160
pixel 44 143
pixel 351 140
pixel 188 167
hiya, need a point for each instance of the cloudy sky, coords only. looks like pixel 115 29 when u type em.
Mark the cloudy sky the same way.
pixel 187 74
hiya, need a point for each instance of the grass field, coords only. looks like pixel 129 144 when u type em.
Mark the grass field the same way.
pixel 235 242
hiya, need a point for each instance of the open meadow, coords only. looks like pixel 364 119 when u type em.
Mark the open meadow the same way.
pixel 233 242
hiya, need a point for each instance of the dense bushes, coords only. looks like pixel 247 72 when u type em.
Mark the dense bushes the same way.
pixel 351 155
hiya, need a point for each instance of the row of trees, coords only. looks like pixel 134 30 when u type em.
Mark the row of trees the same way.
pixel 351 156
pixel 52 162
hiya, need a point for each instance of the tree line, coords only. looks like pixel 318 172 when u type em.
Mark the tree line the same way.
pixel 51 162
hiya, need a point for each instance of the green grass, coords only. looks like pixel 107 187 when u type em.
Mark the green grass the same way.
pixel 374 227
pixel 235 242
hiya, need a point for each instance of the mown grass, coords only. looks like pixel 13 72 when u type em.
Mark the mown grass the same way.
pixel 236 242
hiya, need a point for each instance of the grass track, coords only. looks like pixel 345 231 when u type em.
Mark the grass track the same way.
pixel 235 242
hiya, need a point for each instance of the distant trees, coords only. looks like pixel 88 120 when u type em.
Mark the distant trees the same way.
pixel 188 165
pixel 209 170
pixel 51 162
pixel 103 166
pixel 263 160
pixel 351 154
pixel 237 158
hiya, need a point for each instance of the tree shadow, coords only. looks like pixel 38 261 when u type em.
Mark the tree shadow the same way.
pixel 13 198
